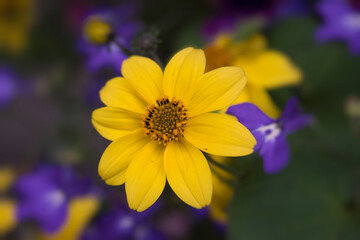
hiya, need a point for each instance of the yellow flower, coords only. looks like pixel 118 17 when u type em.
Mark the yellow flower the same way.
pixel 7 215
pixel 266 69
pixel 7 177
pixel 81 210
pixel 224 188
pixel 15 20
pixel 159 122
pixel 97 30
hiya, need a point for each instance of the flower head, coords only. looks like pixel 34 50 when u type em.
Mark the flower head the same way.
pixel 46 195
pixel 341 22
pixel 120 223
pixel 253 56
pixel 107 36
pixel 16 17
pixel 159 122
pixel 271 133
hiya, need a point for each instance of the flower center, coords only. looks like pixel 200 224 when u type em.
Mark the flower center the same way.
pixel 271 131
pixel 352 21
pixel 216 57
pixel 166 121
pixel 97 30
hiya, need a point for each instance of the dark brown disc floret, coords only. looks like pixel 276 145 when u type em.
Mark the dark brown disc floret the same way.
pixel 166 121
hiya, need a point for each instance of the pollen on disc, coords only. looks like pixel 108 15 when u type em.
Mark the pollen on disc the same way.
pixel 166 121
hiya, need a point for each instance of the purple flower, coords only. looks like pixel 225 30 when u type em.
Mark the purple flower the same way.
pixel 231 20
pixel 341 22
pixel 271 133
pixel 7 87
pixel 43 195
pixel 122 223
pixel 107 36
pixel 288 8
pixel 233 16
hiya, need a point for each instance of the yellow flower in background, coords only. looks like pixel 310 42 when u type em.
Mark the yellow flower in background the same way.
pixel 81 210
pixel 159 122
pixel 7 177
pixel 7 216
pixel 7 206
pixel 265 69
pixel 97 30
pixel 224 188
pixel 15 20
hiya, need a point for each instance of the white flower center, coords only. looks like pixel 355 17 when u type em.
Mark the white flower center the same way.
pixel 352 21
pixel 126 222
pixel 56 197
pixel 271 131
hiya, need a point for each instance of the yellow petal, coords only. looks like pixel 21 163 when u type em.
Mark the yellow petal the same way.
pixel 81 210
pixel 251 45
pixel 118 155
pixel 188 173
pixel 219 134
pixel 217 89
pixel 145 177
pixel 269 69
pixel 7 177
pixel 113 123
pixel 182 72
pixel 119 93
pixel 259 97
pixel 7 216
pixel 145 76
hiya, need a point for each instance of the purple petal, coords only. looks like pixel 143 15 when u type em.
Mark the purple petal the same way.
pixel 275 154
pixel 144 232
pixel 41 200
pixel 297 123
pixel 328 32
pixel 291 109
pixel 354 44
pixel 104 57
pixel 340 22
pixel 127 31
pixel 31 185
pixel 292 119
pixel 117 224
pixel 249 115
pixel 43 195
pixel 260 138
pixel 7 87
pixel 49 210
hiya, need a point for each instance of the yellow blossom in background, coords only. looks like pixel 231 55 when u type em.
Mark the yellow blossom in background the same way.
pixel 160 122
pixel 7 215
pixel 7 206
pixel 7 177
pixel 81 210
pixel 16 17
pixel 224 188
pixel 97 30
pixel 265 68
